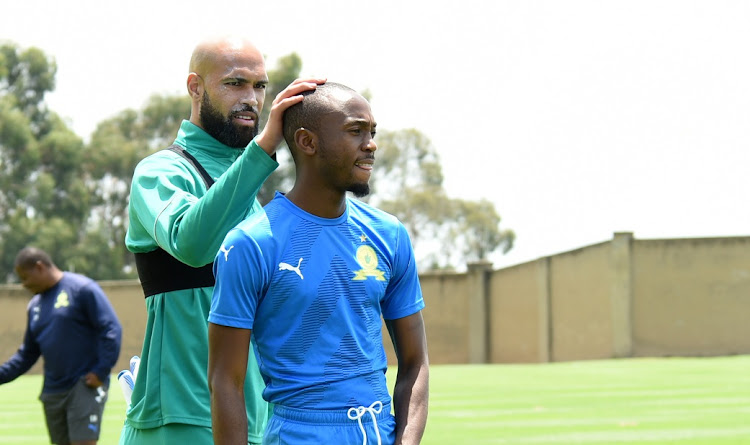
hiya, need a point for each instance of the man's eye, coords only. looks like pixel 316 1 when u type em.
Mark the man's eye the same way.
pixel 373 133
pixel 233 83
pixel 355 131
pixel 261 86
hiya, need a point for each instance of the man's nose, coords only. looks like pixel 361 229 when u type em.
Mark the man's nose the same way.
pixel 250 98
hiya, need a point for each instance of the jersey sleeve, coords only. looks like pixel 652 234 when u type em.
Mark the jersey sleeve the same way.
pixel 403 296
pixel 168 201
pixel 28 353
pixel 102 316
pixel 240 273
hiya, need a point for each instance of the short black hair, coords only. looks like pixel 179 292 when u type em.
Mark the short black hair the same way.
pixel 29 256
pixel 307 114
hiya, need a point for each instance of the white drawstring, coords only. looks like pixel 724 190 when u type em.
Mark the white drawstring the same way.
pixel 357 413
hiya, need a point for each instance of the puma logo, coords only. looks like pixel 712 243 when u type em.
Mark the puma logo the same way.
pixel 226 251
pixel 287 266
pixel 99 398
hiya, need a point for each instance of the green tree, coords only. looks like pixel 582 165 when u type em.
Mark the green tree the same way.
pixel 26 76
pixel 44 194
pixel 476 227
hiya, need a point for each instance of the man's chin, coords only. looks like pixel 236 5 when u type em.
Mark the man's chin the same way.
pixel 237 140
pixel 244 135
pixel 360 190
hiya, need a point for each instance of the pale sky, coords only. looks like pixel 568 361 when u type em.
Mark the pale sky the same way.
pixel 576 118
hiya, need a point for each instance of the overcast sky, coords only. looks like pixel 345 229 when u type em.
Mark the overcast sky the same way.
pixel 576 118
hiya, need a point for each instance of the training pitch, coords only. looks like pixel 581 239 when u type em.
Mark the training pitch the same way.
pixel 629 401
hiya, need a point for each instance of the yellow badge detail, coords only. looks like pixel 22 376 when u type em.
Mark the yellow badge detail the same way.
pixel 367 258
pixel 62 300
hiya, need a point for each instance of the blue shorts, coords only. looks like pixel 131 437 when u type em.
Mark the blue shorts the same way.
pixel 290 426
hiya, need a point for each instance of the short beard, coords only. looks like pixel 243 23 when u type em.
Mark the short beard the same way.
pixel 360 190
pixel 222 128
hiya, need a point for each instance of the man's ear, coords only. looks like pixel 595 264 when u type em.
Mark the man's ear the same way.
pixel 195 86
pixel 39 267
pixel 306 141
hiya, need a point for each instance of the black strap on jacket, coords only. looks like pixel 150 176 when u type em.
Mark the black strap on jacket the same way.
pixel 191 159
pixel 161 272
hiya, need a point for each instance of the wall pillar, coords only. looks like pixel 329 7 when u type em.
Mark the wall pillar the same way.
pixel 621 294
pixel 479 311
pixel 544 322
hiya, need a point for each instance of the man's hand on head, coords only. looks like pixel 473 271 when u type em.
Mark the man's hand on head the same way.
pixel 272 133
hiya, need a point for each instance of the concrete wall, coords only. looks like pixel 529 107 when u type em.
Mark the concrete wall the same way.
pixel 691 297
pixel 621 298
pixel 446 318
pixel 520 324
pixel 580 303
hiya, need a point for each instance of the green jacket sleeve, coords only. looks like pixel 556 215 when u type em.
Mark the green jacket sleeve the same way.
pixel 170 206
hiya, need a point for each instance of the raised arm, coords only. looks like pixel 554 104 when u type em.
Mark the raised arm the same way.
pixel 411 392
pixel 191 227
pixel 227 365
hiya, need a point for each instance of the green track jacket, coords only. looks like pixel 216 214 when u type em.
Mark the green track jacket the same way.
pixel 171 208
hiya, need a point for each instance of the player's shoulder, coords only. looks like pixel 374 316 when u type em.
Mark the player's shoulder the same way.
pixel 77 282
pixel 160 161
pixel 72 279
pixel 282 214
pixel 267 228
pixel 365 211
pixel 34 302
pixel 255 227
pixel 159 156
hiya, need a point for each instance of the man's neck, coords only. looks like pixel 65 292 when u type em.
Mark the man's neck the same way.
pixel 55 275
pixel 322 203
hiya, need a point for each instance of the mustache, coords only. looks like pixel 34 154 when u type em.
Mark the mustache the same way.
pixel 245 109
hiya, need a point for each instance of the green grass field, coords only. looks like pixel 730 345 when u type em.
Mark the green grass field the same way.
pixel 634 401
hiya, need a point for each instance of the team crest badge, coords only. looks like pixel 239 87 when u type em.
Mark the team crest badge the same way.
pixel 62 300
pixel 368 259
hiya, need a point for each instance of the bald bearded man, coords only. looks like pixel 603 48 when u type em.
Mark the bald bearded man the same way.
pixel 183 201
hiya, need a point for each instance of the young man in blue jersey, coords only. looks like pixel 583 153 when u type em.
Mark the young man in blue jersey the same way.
pixel 310 279
pixel 74 327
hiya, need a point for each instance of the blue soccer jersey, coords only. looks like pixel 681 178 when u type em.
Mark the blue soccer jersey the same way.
pixel 313 291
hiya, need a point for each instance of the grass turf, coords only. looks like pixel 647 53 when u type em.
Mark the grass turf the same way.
pixel 692 401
